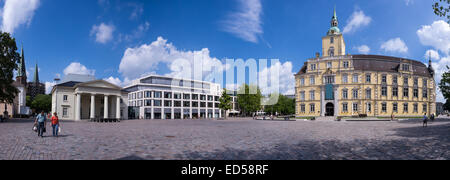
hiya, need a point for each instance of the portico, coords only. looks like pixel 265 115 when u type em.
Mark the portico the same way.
pixel 90 100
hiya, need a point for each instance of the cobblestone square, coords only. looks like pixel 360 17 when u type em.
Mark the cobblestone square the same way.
pixel 232 139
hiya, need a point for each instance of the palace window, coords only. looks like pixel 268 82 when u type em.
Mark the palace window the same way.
pixel 302 96
pixel 416 93
pixel 329 65
pixel 384 79
pixel 368 78
pixel 345 94
pixel 405 67
pixel 416 81
pixel 346 65
pixel 331 40
pixel 302 81
pixel 369 107
pixel 313 67
pixel 355 107
pixel 331 51
pixel 405 107
pixel 355 78
pixel 384 107
pixel 368 94
pixel 65 97
pixel 312 80
pixel 345 107
pixel 425 93
pixel 355 94
pixel 329 79
pixel 425 83
pixel 312 95
pixel 313 108
pixel 395 107
pixel 425 108
pixel 383 91
pixel 405 81
pixel 416 108
pixel 395 91
pixel 302 108
pixel 405 92
pixel 395 80
pixel 344 78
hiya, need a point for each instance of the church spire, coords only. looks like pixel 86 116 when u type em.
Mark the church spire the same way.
pixel 36 74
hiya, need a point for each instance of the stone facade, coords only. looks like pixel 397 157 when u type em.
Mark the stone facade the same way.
pixel 337 84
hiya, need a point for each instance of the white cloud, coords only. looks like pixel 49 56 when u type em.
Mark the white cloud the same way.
pixel 77 68
pixel 436 35
pixel 17 12
pixel 395 45
pixel 356 21
pixel 246 22
pixel 49 87
pixel 363 49
pixel 144 59
pixel 434 55
pixel 285 79
pixel 118 82
pixel 103 33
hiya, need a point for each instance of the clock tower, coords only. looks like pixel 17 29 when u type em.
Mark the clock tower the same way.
pixel 333 43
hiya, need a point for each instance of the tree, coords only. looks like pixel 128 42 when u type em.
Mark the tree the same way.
pixel 28 101
pixel 249 101
pixel 444 85
pixel 284 106
pixel 42 103
pixel 8 63
pixel 225 102
pixel 442 9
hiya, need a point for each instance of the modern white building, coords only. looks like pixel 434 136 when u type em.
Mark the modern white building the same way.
pixel 93 99
pixel 159 97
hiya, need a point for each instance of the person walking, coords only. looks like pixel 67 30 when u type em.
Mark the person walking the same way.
pixel 55 124
pixel 432 118
pixel 40 121
pixel 425 120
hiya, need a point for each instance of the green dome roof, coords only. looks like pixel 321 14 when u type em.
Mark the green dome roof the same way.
pixel 334 30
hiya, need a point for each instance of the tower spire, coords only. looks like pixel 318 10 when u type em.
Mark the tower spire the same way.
pixel 36 74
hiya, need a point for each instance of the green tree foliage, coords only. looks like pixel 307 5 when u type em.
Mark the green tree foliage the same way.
pixel 442 9
pixel 42 103
pixel 29 101
pixel 8 63
pixel 444 85
pixel 249 102
pixel 225 101
pixel 284 106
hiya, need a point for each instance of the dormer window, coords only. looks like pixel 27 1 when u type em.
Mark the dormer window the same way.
pixel 313 67
pixel 329 65
pixel 405 67
pixel 346 64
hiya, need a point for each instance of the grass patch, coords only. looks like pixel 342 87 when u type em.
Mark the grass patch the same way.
pixel 308 118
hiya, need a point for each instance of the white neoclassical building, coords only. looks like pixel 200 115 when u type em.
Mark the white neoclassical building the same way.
pixel 161 97
pixel 74 100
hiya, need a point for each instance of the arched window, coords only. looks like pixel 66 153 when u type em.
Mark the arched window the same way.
pixel 331 51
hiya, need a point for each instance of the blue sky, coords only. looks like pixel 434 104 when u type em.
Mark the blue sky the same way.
pixel 94 36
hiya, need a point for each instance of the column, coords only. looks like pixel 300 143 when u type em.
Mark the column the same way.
pixel 105 115
pixel 78 108
pixel 92 106
pixel 118 107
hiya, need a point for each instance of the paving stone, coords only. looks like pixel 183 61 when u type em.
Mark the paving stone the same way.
pixel 233 139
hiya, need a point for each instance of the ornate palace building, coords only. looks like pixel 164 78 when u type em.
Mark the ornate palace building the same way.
pixel 339 84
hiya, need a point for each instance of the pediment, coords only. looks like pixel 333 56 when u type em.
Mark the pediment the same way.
pixel 99 84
